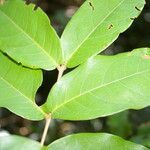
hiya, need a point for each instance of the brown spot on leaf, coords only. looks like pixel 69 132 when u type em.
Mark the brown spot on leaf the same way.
pixel 146 57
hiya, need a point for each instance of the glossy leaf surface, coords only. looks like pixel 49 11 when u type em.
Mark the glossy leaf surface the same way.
pixel 89 141
pixel 27 36
pixel 18 143
pixel 84 141
pixel 18 86
pixel 95 26
pixel 102 86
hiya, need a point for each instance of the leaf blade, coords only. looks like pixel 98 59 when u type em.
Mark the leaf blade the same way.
pixel 31 41
pixel 18 86
pixel 83 38
pixel 95 141
pixel 14 142
pixel 104 85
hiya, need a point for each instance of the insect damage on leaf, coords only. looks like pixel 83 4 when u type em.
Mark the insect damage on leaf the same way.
pixel 137 8
pixel 36 5
pixel 133 18
pixel 91 5
pixel 110 26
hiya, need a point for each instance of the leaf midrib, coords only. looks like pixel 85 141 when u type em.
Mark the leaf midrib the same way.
pixel 13 87
pixel 67 61
pixel 98 87
pixel 33 40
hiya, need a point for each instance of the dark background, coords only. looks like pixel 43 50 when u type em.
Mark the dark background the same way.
pixel 132 125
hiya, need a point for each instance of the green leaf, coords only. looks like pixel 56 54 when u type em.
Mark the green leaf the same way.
pixel 84 141
pixel 102 86
pixel 18 143
pixel 18 86
pixel 92 141
pixel 27 36
pixel 95 26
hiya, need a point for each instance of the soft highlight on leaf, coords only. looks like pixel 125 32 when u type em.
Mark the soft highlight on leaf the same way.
pixel 102 86
pixel 95 26
pixel 94 141
pixel 13 142
pixel 27 36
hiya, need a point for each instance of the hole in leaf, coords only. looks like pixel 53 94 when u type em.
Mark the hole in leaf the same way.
pixel 110 26
pixel 91 5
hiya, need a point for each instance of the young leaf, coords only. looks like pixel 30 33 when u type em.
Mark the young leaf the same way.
pixel 27 36
pixel 95 26
pixel 18 143
pixel 94 141
pixel 18 86
pixel 102 86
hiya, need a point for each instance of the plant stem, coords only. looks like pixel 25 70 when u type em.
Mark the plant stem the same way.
pixel 61 70
pixel 48 121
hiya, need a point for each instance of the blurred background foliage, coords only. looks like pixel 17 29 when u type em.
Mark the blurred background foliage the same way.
pixel 132 125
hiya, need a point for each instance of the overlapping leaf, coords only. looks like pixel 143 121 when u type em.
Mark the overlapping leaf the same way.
pixel 18 86
pixel 102 86
pixel 84 141
pixel 27 36
pixel 95 26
